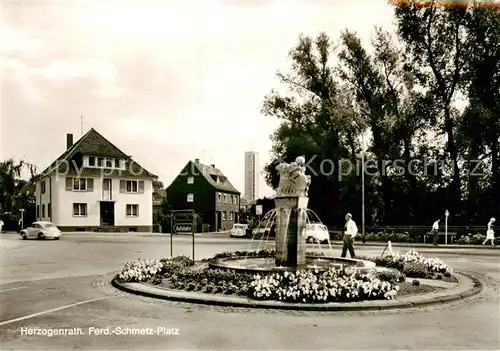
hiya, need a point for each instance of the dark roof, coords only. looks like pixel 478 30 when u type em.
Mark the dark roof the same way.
pixel 208 171
pixel 94 144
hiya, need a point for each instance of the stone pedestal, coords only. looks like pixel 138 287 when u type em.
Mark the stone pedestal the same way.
pixel 291 218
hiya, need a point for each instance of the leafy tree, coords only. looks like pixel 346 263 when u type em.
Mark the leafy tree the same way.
pixel 430 95
pixel 315 123
pixel 480 127
pixel 158 185
pixel 438 47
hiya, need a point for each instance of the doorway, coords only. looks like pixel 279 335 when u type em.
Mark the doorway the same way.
pixel 218 222
pixel 107 213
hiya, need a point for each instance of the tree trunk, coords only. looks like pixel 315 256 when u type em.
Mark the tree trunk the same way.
pixel 379 148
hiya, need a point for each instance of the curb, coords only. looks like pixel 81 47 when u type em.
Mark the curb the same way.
pixel 369 305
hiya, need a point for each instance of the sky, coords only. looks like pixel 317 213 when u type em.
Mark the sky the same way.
pixel 165 81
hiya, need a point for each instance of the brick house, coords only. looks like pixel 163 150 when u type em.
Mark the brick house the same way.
pixel 207 191
pixel 94 185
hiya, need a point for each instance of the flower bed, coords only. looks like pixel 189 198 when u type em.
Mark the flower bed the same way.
pixel 330 286
pixel 414 265
pixel 182 273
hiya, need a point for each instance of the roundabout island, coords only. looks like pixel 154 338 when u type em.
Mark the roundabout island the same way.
pixel 288 277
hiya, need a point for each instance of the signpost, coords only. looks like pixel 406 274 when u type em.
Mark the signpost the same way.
pixel 446 215
pixel 182 221
pixel 258 211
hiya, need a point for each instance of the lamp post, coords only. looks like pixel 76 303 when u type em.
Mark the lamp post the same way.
pixel 362 178
pixel 446 214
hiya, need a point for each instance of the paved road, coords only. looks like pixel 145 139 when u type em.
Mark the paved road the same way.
pixel 64 284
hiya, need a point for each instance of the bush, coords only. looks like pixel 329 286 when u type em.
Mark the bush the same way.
pixel 416 270
pixel 476 239
pixel 330 286
pixel 390 275
pixel 384 237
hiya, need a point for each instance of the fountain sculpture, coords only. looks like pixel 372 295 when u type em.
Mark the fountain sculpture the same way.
pixel 291 204
pixel 291 218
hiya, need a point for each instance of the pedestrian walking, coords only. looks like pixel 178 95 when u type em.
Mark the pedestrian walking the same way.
pixel 1 225
pixel 350 232
pixel 435 232
pixel 490 234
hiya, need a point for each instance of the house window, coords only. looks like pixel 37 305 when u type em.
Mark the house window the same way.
pixel 109 163
pixel 79 184
pixel 80 210
pixel 117 163
pixel 43 186
pixel 132 186
pixel 190 197
pixel 230 216
pixel 190 180
pixel 49 211
pixel 92 161
pixel 224 215
pixel 37 211
pixel 43 211
pixel 225 198
pixel 132 210
pixel 219 197
pixel 100 161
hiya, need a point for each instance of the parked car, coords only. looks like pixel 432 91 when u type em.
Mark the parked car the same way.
pixel 41 230
pixel 263 229
pixel 317 232
pixel 239 230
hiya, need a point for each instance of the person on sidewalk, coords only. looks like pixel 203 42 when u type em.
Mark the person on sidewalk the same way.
pixel 1 225
pixel 435 232
pixel 350 231
pixel 490 234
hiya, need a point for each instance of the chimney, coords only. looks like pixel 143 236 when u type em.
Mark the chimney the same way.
pixel 69 141
pixel 197 160
pixel 212 165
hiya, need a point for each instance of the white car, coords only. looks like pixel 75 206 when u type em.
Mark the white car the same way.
pixel 41 230
pixel 239 230
pixel 317 232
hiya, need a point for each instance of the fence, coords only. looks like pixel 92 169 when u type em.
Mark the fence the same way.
pixel 414 234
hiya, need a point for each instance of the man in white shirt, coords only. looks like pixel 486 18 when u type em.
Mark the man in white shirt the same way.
pixel 350 231
pixel 1 225
pixel 435 230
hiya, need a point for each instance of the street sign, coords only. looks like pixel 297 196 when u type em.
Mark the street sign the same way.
pixel 183 216
pixel 258 210
pixel 183 228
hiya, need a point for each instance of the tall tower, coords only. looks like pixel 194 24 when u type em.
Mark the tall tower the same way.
pixel 251 176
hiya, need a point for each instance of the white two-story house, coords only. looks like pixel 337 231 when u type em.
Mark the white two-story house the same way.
pixel 94 186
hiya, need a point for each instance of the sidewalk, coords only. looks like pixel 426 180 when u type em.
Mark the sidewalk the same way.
pixel 430 246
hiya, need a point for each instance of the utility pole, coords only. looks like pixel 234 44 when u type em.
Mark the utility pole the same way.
pixel 363 151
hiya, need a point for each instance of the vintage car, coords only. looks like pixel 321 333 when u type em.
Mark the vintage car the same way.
pixel 41 230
